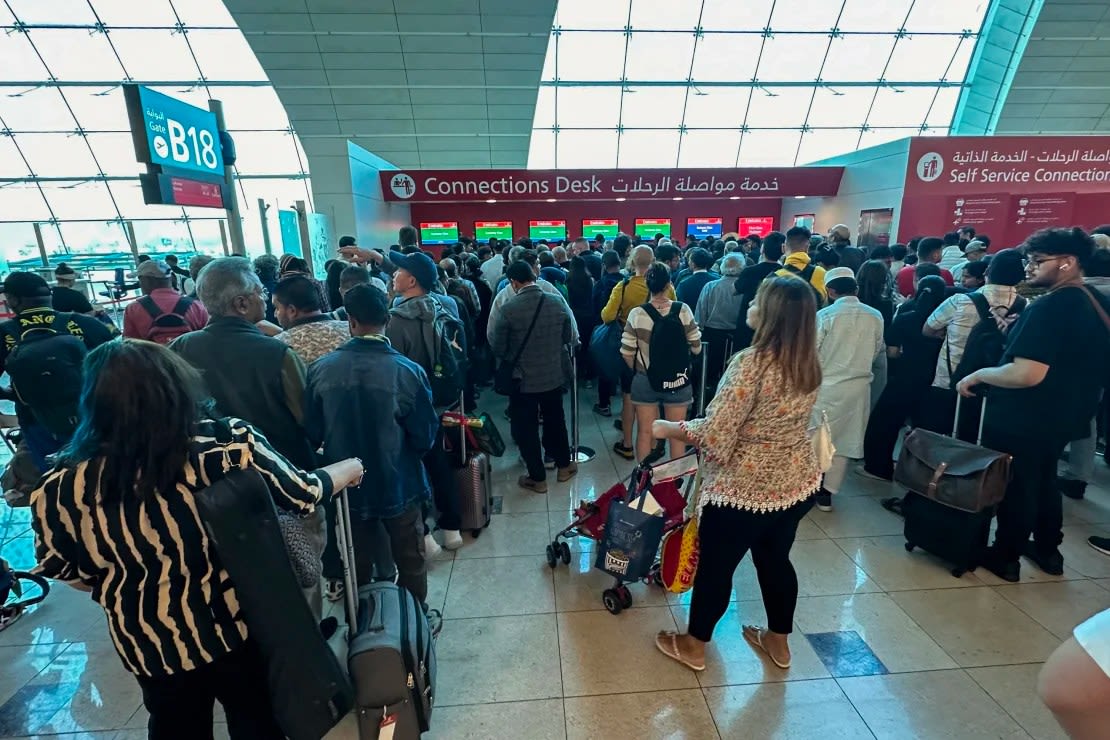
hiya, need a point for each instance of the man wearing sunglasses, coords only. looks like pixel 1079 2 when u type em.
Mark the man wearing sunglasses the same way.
pixel 1042 396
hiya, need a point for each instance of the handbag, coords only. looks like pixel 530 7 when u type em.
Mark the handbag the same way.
pixel 605 345
pixel 681 550
pixel 630 540
pixel 952 472
pixel 823 448
pixel 504 381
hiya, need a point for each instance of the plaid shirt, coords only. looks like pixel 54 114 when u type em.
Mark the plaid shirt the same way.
pixel 314 337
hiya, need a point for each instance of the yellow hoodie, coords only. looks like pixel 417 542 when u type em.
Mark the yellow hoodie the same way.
pixel 799 261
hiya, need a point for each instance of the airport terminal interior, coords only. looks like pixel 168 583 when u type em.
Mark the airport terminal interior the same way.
pixel 534 126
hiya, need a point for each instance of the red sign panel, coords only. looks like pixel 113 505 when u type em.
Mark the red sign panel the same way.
pixel 435 186
pixel 987 213
pixel 762 225
pixel 1029 213
pixel 602 222
pixel 1016 164
pixel 493 224
pixel 188 192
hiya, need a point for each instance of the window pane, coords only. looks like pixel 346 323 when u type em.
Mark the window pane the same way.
pixel 779 107
pixel 544 117
pixel 648 149
pixel 160 236
pixel 130 13
pixel 42 109
pixel 549 61
pixel 921 58
pixel 98 109
pixel 586 149
pixel 95 237
pixel 843 107
pixel 22 202
pixel 860 15
pixel 541 150
pixel 717 106
pixel 857 58
pixel 708 148
pixel 38 11
pixel 726 57
pixel 804 15
pixel 56 155
pixel 155 55
pixel 730 16
pixel 653 107
pixel 944 107
pixel 665 15
pixel 766 148
pixel 204 13
pixel 591 14
pixel 80 200
pixel 78 54
pixel 17 241
pixel 947 15
pixel 19 59
pixel 116 154
pixel 590 56
pixel 818 145
pixel 129 198
pixel 225 55
pixel 659 56
pixel 579 106
pixel 789 57
pixel 905 107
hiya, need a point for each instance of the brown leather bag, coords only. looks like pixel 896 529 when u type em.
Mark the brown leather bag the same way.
pixel 950 471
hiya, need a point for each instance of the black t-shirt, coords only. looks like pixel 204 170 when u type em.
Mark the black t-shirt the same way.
pixel 68 299
pixel 747 285
pixel 1062 330
pixel 918 362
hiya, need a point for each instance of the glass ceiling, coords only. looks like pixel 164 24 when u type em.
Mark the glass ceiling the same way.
pixel 66 157
pixel 722 83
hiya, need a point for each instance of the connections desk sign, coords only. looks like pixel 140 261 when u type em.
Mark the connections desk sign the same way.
pixel 173 134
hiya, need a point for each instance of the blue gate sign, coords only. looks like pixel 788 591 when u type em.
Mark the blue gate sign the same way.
pixel 173 134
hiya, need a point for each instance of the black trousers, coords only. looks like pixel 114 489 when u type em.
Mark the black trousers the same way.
pixel 382 555
pixel 525 409
pixel 405 539
pixel 440 466
pixel 1032 504
pixel 181 705
pixel 717 350
pixel 726 535
pixel 896 404
pixel 938 413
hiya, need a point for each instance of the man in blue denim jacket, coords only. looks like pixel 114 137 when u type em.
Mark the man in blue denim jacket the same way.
pixel 367 400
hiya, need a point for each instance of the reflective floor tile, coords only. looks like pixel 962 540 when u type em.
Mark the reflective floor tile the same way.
pixel 894 638
pixel 1094 508
pixel 857 516
pixel 515 500
pixel 516 534
pixel 66 615
pixel 496 587
pixel 439 576
pixel 823 569
pixel 347 729
pixel 1104 582
pixel 658 714
pixel 977 627
pixel 578 586
pixel 729 659
pixel 498 659
pixel 844 653
pixel 106 695
pixel 807 530
pixel 604 653
pixel 1059 607
pixel 1014 687
pixel 11 530
pixel 1081 557
pixel 859 485
pixel 19 552
pixel 886 561
pixel 934 705
pixel 21 663
pixel 535 720
pixel 796 710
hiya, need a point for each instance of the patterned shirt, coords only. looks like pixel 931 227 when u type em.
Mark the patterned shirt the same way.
pixel 957 316
pixel 756 452
pixel 171 606
pixel 315 336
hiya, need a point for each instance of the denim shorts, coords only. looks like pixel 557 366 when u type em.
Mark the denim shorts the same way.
pixel 643 393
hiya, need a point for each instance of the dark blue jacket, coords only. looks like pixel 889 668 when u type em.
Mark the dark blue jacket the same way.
pixel 367 400
pixel 603 288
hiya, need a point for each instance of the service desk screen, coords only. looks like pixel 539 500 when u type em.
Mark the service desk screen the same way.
pixel 486 230
pixel 439 232
pixel 762 225
pixel 607 227
pixel 649 227
pixel 703 227
pixel 549 230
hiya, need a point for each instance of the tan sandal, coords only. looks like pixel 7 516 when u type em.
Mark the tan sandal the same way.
pixel 667 642
pixel 757 643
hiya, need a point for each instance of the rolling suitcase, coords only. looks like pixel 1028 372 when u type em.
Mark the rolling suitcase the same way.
pixel 474 487
pixel 308 686
pixel 390 651
pixel 954 488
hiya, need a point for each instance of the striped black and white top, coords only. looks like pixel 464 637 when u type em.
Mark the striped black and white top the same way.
pixel 170 606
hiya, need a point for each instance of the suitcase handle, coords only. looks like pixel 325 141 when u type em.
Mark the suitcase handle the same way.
pixel 982 418
pixel 347 553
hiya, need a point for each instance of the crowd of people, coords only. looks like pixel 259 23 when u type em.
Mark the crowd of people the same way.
pixel 313 382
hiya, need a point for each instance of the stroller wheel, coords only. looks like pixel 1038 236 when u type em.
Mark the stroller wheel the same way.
pixel 552 557
pixel 625 596
pixel 564 552
pixel 611 601
pixel 655 575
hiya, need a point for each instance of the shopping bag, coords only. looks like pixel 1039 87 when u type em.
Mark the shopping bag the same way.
pixel 630 541
pixel 487 437
pixel 678 558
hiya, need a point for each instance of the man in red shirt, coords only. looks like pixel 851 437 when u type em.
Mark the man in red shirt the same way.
pixel 928 250
pixel 162 314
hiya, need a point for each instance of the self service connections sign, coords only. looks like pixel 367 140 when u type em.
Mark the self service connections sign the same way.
pixel 173 134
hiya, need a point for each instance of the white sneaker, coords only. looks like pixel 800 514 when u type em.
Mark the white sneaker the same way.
pixel 431 547
pixel 452 540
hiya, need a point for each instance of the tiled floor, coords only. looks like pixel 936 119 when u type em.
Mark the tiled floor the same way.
pixel 887 644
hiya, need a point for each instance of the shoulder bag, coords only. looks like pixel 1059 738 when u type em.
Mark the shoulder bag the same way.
pixel 605 344
pixel 504 381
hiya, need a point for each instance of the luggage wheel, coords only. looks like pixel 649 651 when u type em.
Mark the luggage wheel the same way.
pixel 909 547
pixel 958 572
pixel 564 552
pixel 611 601
pixel 475 533
pixel 552 556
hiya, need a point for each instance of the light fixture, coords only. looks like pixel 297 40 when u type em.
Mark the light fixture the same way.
pixel 621 200
pixel 799 197
pixel 678 198
pixel 491 200
pixel 550 200
pixel 734 197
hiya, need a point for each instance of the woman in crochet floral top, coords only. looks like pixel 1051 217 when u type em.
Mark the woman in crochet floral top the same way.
pixel 758 471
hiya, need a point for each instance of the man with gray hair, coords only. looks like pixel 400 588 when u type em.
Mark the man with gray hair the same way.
pixel 718 313
pixel 250 376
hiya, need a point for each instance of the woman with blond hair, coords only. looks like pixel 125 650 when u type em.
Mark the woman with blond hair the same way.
pixel 759 471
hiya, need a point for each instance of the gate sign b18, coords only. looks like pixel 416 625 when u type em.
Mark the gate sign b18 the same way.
pixel 173 134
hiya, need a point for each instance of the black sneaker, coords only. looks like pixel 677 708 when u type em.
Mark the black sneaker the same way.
pixel 602 410
pixel 824 501
pixel 1102 544
pixel 618 424
pixel 893 505
pixel 1007 570
pixel 626 452
pixel 1072 487
pixel 1050 561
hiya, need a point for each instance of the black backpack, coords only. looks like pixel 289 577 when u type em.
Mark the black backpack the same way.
pixel 806 273
pixel 45 368
pixel 166 327
pixel 987 341
pixel 447 371
pixel 668 351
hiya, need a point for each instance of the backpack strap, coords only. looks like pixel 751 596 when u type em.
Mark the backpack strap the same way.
pixel 982 307
pixel 182 305
pixel 151 307
pixel 807 273
pixel 676 309
pixel 651 311
pixel 1018 305
pixel 620 306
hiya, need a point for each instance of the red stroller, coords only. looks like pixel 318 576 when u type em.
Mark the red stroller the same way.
pixel 664 482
